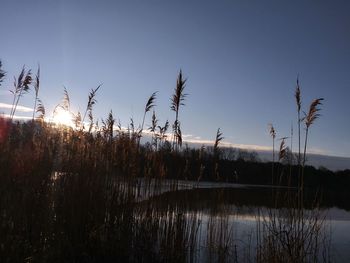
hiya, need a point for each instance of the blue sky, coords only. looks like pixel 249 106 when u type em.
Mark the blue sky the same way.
pixel 241 59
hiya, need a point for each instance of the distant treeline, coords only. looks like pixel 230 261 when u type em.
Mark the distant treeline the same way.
pixel 119 153
pixel 244 167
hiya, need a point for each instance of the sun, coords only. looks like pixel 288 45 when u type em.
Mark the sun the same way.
pixel 63 117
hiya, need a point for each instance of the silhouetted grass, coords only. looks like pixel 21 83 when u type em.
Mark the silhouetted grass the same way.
pixel 89 195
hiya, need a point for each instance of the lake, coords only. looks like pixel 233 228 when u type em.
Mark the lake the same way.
pixel 238 209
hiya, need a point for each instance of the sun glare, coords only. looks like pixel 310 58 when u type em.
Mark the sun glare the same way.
pixel 63 117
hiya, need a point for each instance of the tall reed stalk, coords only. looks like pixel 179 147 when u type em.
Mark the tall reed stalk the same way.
pixel 36 89
pixel 21 86
pixel 177 100
pixel 153 130
pixel 41 110
pixel 218 139
pixel 309 119
pixel 273 136
pixel 91 102
pixel 298 102
pixel 149 105
pixel 2 73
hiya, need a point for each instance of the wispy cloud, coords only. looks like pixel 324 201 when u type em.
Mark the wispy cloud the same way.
pixel 314 150
pixel 16 117
pixel 19 107
pixel 198 140
pixel 184 136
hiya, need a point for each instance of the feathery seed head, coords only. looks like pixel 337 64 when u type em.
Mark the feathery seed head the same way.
pixel 313 112
pixel 150 103
pixel 298 96
pixel 272 131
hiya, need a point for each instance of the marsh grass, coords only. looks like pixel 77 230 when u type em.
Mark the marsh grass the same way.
pixel 2 73
pixel 293 234
pixel 288 234
pixel 21 86
pixel 73 195
pixel 70 196
pixel 177 100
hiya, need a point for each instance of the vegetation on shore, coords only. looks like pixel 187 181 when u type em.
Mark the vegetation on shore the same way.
pixel 74 194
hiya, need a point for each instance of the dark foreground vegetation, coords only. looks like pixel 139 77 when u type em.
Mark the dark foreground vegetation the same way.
pixel 69 196
pixel 75 194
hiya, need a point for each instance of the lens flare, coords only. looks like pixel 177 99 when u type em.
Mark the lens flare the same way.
pixel 63 117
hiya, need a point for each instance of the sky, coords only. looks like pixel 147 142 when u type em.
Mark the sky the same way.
pixel 241 60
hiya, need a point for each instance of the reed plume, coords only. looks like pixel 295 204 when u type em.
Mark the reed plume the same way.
pixel 154 122
pixel 218 139
pixel 132 130
pixel 66 100
pixel 309 119
pixel 153 130
pixel 298 102
pixel 177 100
pixel 40 109
pixel 21 86
pixel 313 112
pixel 36 89
pixel 149 105
pixel 91 102
pixel 178 96
pixel 65 106
pixel 273 135
pixel 162 131
pixel 77 120
pixel 110 126
pixel 283 149
pixel 2 73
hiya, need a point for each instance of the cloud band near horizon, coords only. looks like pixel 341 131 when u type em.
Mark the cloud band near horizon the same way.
pixel 18 108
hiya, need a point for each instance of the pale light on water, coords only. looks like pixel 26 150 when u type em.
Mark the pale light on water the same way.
pixel 240 220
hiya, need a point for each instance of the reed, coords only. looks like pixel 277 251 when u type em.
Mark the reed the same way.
pixel 298 103
pixel 36 89
pixel 273 136
pixel 309 119
pixel 149 105
pixel 153 130
pixel 2 74
pixel 64 104
pixel 90 103
pixel 21 86
pixel 76 195
pixel 177 100
pixel 40 109
pixel 293 234
pixel 216 151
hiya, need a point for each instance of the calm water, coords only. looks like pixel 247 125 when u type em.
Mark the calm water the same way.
pixel 235 207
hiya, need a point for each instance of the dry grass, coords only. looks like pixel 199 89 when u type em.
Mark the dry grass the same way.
pixel 177 100
pixel 73 195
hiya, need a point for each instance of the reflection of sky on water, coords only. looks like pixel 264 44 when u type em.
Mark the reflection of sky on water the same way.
pixel 244 223
pixel 249 213
pixel 337 214
pixel 239 206
pixel 340 230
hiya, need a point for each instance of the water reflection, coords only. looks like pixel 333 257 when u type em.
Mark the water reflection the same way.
pixel 240 208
